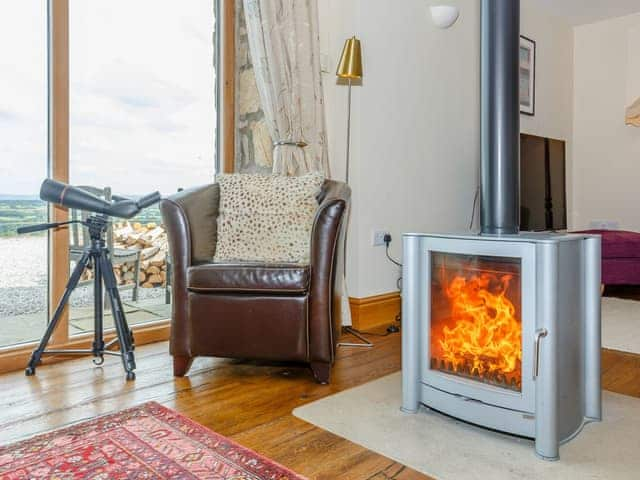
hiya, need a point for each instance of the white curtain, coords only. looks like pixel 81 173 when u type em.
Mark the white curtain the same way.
pixel 632 114
pixel 285 51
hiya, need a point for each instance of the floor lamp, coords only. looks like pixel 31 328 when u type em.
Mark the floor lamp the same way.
pixel 350 69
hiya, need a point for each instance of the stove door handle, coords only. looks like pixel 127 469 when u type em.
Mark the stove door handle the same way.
pixel 540 333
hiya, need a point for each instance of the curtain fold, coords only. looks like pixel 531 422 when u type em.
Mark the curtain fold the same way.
pixel 284 42
pixel 285 49
pixel 632 114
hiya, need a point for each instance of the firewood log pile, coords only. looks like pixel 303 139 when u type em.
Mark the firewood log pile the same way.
pixel 151 240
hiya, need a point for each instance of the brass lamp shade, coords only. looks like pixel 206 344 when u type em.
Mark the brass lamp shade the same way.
pixel 350 65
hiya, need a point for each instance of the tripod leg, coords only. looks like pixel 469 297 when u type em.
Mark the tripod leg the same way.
pixel 71 285
pixel 119 320
pixel 121 309
pixel 98 312
pixel 124 319
pixel 110 300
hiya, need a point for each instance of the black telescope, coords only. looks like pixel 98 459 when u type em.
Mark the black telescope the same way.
pixel 95 256
pixel 74 197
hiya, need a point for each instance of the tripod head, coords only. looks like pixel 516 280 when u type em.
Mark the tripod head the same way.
pixel 73 197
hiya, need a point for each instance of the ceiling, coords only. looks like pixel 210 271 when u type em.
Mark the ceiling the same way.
pixel 578 12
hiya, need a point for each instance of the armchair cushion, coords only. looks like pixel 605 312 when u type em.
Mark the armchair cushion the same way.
pixel 286 279
pixel 266 218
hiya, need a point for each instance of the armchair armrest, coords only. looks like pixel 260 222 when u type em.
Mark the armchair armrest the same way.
pixel 190 221
pixel 327 251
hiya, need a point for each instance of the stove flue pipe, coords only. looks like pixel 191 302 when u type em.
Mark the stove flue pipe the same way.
pixel 500 117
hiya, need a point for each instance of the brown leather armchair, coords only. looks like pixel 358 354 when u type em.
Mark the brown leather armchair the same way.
pixel 258 311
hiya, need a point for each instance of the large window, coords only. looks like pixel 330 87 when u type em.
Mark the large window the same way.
pixel 142 118
pixel 142 93
pixel 23 165
pixel 140 89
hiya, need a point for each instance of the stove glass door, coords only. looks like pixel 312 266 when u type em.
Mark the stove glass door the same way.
pixel 480 317
pixel 476 318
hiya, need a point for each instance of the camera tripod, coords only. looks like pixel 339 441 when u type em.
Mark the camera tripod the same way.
pixel 96 257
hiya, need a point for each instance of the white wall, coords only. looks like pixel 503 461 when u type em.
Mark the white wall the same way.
pixel 606 173
pixel 415 125
pixel 554 82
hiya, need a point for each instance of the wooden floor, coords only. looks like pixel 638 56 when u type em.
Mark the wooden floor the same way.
pixel 248 402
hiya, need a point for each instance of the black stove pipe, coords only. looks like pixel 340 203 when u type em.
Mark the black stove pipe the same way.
pixel 500 117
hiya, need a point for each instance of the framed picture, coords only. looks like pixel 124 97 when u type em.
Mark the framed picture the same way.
pixel 527 76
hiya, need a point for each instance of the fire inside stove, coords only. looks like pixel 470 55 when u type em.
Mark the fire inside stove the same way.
pixel 476 323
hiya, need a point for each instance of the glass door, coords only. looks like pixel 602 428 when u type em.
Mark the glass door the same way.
pixel 142 118
pixel 23 165
pixel 480 317
pixel 476 318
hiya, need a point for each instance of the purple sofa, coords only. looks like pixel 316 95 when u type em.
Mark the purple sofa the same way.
pixel 620 256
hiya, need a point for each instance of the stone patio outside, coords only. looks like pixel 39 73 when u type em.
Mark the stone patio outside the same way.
pixel 23 295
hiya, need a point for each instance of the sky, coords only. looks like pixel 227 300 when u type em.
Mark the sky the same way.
pixel 142 93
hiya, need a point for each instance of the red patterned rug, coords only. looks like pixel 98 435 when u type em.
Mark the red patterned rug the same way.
pixel 145 442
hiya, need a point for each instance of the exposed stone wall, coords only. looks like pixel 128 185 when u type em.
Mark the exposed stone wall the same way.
pixel 254 150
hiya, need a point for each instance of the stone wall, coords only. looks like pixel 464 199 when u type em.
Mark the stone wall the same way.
pixel 254 150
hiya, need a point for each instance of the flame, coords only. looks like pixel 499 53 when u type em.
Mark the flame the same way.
pixel 486 338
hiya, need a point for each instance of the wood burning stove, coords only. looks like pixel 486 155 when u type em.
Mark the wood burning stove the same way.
pixel 504 331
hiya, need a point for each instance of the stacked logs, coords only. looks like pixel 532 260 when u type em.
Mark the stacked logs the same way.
pixel 151 240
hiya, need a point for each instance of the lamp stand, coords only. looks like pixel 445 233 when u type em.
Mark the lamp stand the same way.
pixel 349 329
pixel 365 342
pixel 348 135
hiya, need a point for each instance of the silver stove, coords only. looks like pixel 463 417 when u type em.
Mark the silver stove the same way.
pixel 529 363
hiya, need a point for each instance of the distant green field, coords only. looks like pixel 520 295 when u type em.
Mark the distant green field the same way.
pixel 18 213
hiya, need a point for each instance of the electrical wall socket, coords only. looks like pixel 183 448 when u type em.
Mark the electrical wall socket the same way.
pixel 378 238
pixel 604 225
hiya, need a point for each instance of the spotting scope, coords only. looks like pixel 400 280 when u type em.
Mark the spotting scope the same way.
pixel 95 255
pixel 74 197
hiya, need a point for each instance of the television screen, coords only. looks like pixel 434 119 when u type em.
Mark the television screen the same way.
pixel 543 202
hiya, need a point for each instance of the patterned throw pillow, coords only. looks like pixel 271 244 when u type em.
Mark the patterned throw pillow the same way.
pixel 266 218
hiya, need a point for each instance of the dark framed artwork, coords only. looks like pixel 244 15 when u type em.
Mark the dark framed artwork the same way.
pixel 527 76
